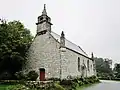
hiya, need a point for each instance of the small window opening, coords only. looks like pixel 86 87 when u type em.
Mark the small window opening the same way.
pixel 78 64
pixel 88 65
pixel 41 18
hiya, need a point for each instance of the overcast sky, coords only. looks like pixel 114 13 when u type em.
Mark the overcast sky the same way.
pixel 92 24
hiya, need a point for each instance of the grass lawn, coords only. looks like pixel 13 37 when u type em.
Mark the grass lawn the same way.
pixel 85 86
pixel 3 87
pixel 11 87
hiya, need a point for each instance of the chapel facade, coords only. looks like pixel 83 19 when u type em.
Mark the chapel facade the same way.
pixel 53 56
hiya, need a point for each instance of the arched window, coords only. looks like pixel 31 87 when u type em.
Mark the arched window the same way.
pixel 41 18
pixel 88 65
pixel 78 64
pixel 47 19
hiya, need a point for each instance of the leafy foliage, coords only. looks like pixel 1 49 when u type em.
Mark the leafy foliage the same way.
pixel 76 82
pixel 103 68
pixel 117 70
pixel 32 75
pixel 20 75
pixel 15 39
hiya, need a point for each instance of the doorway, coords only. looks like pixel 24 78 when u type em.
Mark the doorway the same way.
pixel 42 74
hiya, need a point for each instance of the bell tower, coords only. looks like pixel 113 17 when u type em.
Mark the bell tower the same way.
pixel 43 23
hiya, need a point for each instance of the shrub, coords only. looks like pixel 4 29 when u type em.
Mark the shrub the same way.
pixel 74 85
pixel 5 75
pixel 32 75
pixel 86 82
pixel 66 82
pixel 80 83
pixel 75 80
pixel 20 75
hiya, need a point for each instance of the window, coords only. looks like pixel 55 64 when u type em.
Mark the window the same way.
pixel 88 65
pixel 41 18
pixel 47 19
pixel 78 64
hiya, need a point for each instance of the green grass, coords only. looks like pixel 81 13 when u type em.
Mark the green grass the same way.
pixel 12 87
pixel 3 87
pixel 86 85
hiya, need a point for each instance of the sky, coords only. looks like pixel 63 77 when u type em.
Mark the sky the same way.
pixel 94 25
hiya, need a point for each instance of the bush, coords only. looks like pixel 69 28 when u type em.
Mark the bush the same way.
pixel 32 75
pixel 80 83
pixel 75 80
pixel 20 75
pixel 66 82
pixel 5 75
pixel 74 85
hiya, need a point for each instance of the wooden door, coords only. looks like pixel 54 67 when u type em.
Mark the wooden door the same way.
pixel 42 74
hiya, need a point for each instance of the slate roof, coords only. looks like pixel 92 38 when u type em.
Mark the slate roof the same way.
pixel 69 44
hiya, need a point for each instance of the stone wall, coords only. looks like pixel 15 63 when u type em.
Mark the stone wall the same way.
pixel 69 65
pixel 40 85
pixel 44 53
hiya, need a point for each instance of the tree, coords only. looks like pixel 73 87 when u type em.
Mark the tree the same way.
pixel 103 68
pixel 15 40
pixel 117 70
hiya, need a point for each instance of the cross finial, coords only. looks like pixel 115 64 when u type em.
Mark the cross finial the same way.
pixel 44 6
pixel 44 10
pixel 92 55
pixel 62 34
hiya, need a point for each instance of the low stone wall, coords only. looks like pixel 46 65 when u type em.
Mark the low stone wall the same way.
pixel 31 84
pixel 10 81
pixel 74 83
pixel 70 84
pixel 39 84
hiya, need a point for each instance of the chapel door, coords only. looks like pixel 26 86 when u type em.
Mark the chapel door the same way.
pixel 42 74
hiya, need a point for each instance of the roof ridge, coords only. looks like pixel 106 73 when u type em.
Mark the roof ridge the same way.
pixel 82 50
pixel 71 43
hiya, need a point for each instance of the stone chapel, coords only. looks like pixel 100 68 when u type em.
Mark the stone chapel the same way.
pixel 53 56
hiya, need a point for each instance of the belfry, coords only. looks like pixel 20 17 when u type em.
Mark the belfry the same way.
pixel 49 61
